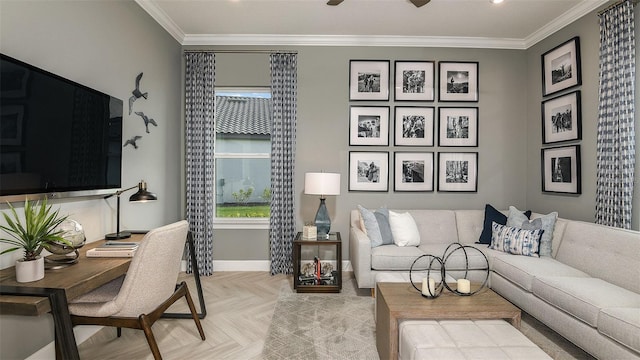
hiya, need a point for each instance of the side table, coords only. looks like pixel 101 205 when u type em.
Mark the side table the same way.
pixel 323 283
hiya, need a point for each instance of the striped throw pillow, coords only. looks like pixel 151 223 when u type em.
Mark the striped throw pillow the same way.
pixel 515 241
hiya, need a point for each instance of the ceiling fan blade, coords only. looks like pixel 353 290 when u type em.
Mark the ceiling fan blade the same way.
pixel 419 3
pixel 334 2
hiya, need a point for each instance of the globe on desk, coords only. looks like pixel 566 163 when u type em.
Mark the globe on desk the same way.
pixel 73 232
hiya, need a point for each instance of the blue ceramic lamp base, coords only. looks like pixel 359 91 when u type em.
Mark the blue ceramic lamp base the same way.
pixel 323 223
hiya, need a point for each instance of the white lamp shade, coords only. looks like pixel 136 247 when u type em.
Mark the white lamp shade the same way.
pixel 322 184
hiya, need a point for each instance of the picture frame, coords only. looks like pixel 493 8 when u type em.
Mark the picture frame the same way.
pixel 561 170
pixel 369 171
pixel 11 125
pixel 414 80
pixel 458 126
pixel 458 171
pixel 561 67
pixel 413 171
pixel 369 125
pixel 562 118
pixel 458 81
pixel 369 80
pixel 414 125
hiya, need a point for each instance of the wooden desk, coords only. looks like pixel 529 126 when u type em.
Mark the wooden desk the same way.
pixel 52 293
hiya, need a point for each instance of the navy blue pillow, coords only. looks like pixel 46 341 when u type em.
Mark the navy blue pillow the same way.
pixel 491 214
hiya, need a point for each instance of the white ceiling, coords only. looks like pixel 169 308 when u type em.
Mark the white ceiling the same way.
pixel 514 24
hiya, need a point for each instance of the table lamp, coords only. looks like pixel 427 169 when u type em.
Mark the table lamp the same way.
pixel 141 196
pixel 322 184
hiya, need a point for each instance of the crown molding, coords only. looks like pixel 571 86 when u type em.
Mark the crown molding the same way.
pixel 563 20
pixel 162 18
pixel 351 40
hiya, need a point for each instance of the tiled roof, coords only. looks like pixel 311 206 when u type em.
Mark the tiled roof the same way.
pixel 243 115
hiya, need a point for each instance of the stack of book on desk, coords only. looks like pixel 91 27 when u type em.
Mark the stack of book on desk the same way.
pixel 114 249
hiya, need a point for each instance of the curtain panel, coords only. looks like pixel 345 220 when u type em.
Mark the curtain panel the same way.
pixel 199 138
pixel 615 161
pixel 284 88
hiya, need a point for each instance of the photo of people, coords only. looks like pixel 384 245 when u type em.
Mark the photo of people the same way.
pixel 457 171
pixel 561 119
pixel 369 82
pixel 413 127
pixel 457 82
pixel 457 127
pixel 413 81
pixel 412 171
pixel 368 172
pixel 368 126
pixel 561 68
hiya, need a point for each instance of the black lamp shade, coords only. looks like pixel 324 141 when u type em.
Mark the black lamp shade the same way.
pixel 142 194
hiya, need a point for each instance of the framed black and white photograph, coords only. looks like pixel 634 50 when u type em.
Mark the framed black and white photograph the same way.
pixel 369 80
pixel 368 171
pixel 561 170
pixel 458 126
pixel 413 171
pixel 562 118
pixel 458 171
pixel 458 81
pixel 561 67
pixel 11 124
pixel 414 80
pixel 369 125
pixel 414 125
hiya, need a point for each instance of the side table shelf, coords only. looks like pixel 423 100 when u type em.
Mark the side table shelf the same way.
pixel 325 282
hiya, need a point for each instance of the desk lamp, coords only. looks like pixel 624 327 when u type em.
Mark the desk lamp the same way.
pixel 141 196
pixel 322 184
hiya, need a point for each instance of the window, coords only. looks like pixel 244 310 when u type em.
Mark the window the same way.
pixel 242 157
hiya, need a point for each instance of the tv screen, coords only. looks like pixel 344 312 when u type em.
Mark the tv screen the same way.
pixel 57 138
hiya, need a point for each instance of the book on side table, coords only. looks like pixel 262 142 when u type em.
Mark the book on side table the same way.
pixel 114 249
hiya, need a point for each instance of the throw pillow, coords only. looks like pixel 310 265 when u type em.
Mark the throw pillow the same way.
pixel 548 224
pixel 382 215
pixel 514 240
pixel 371 225
pixel 491 214
pixel 404 229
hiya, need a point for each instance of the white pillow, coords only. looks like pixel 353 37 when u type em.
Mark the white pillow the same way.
pixel 404 229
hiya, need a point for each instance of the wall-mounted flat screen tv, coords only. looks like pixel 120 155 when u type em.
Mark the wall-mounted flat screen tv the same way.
pixel 58 138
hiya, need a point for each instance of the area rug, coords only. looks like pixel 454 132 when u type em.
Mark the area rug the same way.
pixel 321 326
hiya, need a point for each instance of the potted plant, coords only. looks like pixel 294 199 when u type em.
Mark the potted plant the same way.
pixel 37 232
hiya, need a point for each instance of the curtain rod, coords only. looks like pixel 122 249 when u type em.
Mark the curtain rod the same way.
pixel 616 4
pixel 243 51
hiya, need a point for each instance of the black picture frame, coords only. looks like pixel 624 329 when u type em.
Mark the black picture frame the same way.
pixel 369 171
pixel 561 170
pixel 414 125
pixel 414 80
pixel 413 171
pixel 458 126
pixel 369 80
pixel 562 118
pixel 458 172
pixel 458 81
pixel 369 125
pixel 561 68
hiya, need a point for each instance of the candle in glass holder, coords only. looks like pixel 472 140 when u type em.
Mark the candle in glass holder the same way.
pixel 428 287
pixel 464 286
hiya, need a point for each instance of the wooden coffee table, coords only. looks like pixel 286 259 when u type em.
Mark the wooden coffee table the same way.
pixel 400 301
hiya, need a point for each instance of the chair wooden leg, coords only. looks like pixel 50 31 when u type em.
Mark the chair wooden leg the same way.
pixel 119 331
pixel 146 327
pixel 194 313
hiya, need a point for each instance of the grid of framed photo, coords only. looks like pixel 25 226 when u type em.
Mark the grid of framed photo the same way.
pixel 561 119
pixel 414 127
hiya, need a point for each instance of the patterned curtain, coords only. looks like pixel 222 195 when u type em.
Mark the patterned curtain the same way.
pixel 616 134
pixel 199 137
pixel 284 88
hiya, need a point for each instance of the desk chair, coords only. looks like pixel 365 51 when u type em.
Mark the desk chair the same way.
pixel 139 298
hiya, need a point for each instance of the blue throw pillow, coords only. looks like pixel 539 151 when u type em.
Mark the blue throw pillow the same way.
pixel 515 241
pixel 491 215
pixel 382 215
pixel 371 226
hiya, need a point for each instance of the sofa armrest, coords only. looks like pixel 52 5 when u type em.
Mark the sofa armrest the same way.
pixel 360 256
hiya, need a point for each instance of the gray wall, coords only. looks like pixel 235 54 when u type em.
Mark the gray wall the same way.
pixel 104 45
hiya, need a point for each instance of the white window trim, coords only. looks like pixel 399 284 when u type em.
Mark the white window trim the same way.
pixel 241 223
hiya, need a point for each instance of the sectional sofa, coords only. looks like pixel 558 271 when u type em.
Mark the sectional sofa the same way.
pixel 587 288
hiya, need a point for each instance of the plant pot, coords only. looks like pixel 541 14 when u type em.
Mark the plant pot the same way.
pixel 27 271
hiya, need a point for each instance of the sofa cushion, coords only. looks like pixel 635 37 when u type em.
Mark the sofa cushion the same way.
pixel 436 226
pixel 516 219
pixel 469 224
pixel 455 257
pixel 521 270
pixel 404 229
pixel 371 226
pixel 382 215
pixel 515 241
pixel 491 214
pixel 622 324
pixel 392 257
pixel 583 297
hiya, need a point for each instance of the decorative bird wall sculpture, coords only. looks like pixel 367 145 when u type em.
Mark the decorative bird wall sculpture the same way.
pixel 132 141
pixel 147 120
pixel 137 94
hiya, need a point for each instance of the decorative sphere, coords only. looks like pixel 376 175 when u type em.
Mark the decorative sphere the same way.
pixel 73 232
